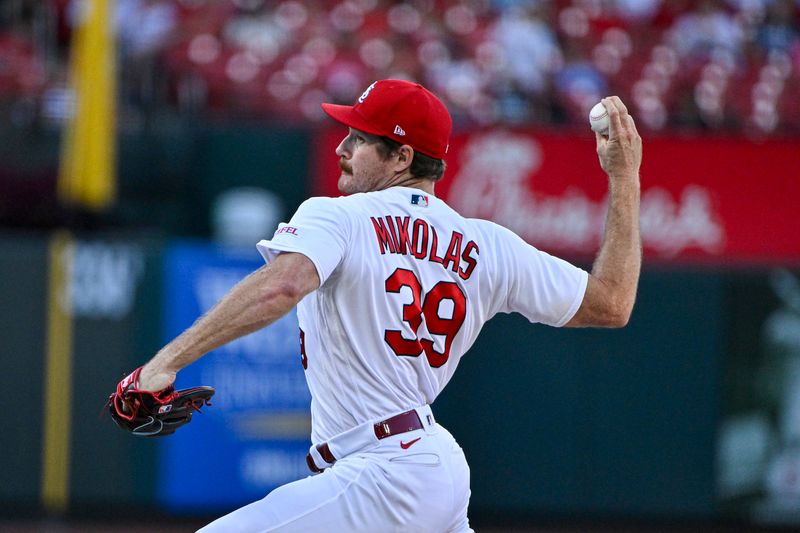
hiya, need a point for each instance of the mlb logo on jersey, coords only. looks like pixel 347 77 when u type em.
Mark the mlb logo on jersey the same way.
pixel 419 199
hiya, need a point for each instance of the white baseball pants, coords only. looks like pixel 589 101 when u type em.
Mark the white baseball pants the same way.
pixel 421 487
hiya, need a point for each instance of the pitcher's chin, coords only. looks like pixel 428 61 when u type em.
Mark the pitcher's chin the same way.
pixel 345 183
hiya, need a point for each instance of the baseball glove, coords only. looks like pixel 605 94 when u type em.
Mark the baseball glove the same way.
pixel 154 414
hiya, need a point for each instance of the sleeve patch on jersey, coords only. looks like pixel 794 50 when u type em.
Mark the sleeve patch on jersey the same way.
pixel 286 229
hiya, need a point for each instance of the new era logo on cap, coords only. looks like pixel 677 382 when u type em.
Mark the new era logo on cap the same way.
pixel 386 104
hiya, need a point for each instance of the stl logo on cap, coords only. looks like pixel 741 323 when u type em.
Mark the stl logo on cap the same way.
pixel 401 110
pixel 366 93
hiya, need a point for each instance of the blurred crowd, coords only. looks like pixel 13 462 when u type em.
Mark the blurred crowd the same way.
pixel 731 65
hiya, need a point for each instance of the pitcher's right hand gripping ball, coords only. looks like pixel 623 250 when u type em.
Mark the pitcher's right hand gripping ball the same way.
pixel 154 414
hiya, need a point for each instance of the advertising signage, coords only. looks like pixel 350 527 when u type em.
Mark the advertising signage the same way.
pixel 703 199
pixel 255 435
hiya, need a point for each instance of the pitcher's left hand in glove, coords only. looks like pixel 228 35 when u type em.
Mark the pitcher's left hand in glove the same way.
pixel 154 414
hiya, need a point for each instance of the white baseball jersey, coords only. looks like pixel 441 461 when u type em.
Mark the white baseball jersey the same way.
pixel 406 284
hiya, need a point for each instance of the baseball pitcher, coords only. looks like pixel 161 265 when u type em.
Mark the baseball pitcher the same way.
pixel 392 287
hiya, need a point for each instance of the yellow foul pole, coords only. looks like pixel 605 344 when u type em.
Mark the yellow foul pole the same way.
pixel 87 176
pixel 57 426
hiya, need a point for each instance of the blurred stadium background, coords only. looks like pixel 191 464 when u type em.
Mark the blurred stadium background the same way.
pixel 147 144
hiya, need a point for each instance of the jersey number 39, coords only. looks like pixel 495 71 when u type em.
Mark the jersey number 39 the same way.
pixel 427 308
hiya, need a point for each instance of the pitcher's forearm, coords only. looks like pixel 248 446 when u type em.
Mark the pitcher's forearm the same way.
pixel 247 308
pixel 619 260
pixel 611 287
pixel 255 302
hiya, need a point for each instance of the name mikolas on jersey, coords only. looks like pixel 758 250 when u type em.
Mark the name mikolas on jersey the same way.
pixel 401 235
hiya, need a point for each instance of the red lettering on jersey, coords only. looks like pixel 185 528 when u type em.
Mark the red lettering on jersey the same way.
pixel 403 240
pixel 383 235
pixel 453 251
pixel 304 357
pixel 412 313
pixel 286 229
pixel 419 247
pixel 398 236
pixel 434 245
pixel 444 328
pixel 466 257
pixel 393 232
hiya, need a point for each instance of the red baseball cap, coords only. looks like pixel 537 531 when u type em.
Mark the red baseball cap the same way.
pixel 401 110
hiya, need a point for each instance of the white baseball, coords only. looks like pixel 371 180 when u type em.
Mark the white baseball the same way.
pixel 598 119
